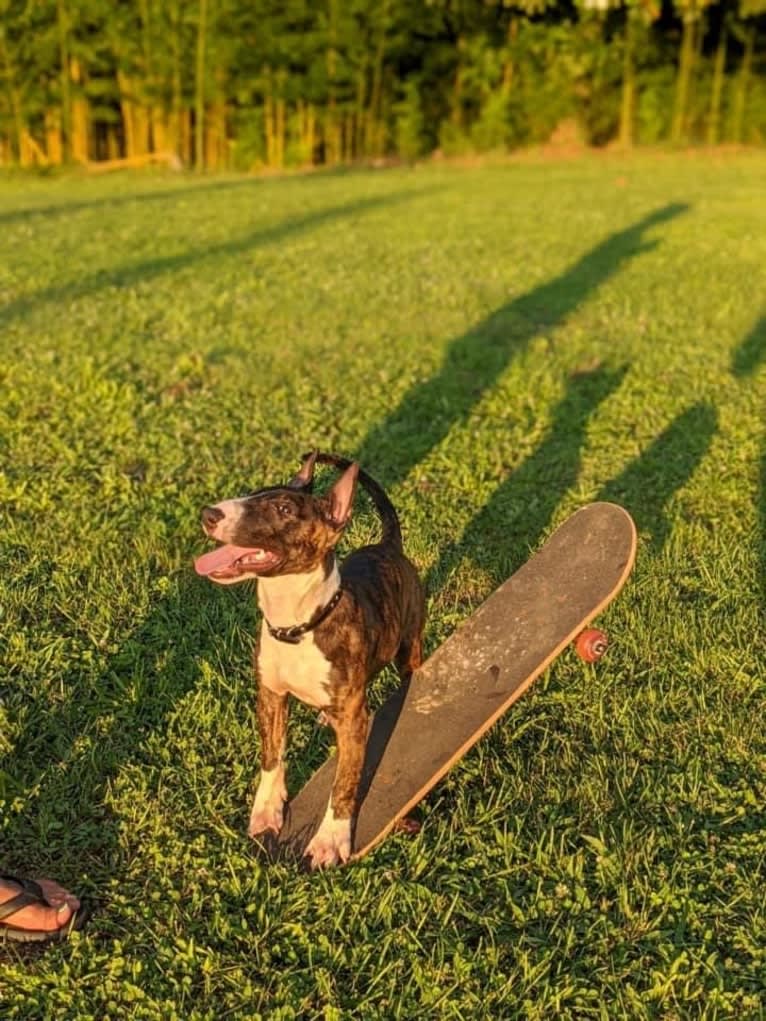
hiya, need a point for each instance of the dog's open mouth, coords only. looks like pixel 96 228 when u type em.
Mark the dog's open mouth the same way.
pixel 229 562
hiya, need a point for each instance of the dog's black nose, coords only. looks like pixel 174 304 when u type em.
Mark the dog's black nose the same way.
pixel 211 516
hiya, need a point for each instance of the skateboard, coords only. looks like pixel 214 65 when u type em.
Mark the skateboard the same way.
pixel 427 725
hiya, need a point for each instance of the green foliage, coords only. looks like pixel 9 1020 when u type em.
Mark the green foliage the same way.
pixel 410 125
pixel 756 114
pixel 543 59
pixel 490 75
pixel 453 140
pixel 655 104
pixel 250 147
pixel 491 130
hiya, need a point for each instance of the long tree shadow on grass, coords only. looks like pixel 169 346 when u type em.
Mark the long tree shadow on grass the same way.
pixel 647 484
pixel 175 190
pixel 748 357
pixel 521 508
pixel 475 360
pixel 519 511
pixel 132 273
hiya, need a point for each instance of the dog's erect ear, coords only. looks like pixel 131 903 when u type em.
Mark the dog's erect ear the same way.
pixel 341 496
pixel 305 477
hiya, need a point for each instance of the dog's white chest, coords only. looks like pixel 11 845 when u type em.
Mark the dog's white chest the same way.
pixel 301 670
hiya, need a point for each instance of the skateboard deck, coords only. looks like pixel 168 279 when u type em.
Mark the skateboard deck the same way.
pixel 473 677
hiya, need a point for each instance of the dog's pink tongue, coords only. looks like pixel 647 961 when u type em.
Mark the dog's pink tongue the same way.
pixel 219 559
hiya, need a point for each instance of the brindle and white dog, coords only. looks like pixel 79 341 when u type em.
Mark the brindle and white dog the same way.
pixel 327 628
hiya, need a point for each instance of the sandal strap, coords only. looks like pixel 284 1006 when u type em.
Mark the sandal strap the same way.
pixel 31 893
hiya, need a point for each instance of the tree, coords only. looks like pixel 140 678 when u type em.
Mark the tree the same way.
pixel 751 12
pixel 692 23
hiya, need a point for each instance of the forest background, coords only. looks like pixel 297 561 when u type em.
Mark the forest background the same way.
pixel 254 84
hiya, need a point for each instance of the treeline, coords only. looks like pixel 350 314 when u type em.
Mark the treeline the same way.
pixel 246 83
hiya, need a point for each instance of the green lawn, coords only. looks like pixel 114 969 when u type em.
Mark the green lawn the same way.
pixel 498 345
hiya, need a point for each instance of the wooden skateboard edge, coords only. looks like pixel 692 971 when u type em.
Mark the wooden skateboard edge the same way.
pixel 517 693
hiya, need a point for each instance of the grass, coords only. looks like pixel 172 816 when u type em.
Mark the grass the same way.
pixel 499 345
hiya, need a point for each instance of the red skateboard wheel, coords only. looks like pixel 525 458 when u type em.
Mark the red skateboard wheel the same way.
pixel 591 644
pixel 409 825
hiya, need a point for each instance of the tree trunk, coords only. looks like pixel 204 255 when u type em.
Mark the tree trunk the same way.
pixel 126 109
pixel 308 133
pixel 146 77
pixel 80 119
pixel 53 143
pixel 456 99
pixel 719 68
pixel 19 127
pixel 332 127
pixel 683 78
pixel 280 123
pixel 513 31
pixel 62 23
pixel 199 88
pixel 159 128
pixel 185 135
pixel 373 142
pixel 135 119
pixel 32 154
pixel 361 97
pixel 112 143
pixel 269 121
pixel 743 81
pixel 175 129
pixel 213 146
pixel 628 101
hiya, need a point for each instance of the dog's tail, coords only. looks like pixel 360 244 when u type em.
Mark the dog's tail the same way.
pixel 392 532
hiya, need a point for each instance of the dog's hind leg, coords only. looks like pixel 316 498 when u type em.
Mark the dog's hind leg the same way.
pixel 409 657
pixel 268 807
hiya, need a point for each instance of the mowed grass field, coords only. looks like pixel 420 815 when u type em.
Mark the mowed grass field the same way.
pixel 499 346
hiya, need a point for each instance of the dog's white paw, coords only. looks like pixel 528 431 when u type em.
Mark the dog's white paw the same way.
pixel 267 819
pixel 331 844
pixel 268 812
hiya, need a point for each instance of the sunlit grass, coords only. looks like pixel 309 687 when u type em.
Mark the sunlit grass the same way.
pixel 499 345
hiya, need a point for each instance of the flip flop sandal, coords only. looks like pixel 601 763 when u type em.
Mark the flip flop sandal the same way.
pixel 31 893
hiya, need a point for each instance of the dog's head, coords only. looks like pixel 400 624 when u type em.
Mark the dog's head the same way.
pixel 277 530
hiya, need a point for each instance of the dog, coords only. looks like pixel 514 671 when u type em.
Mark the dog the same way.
pixel 327 628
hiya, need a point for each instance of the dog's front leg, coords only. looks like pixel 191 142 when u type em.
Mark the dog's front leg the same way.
pixel 331 843
pixel 268 806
